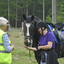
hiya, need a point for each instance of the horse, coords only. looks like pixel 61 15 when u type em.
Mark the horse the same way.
pixel 31 32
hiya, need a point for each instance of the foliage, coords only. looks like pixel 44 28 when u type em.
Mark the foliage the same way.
pixel 60 16
pixel 48 19
pixel 60 12
pixel 48 7
pixel 38 10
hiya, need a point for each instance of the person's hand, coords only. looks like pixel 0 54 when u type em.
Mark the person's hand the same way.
pixel 30 48
pixel 39 47
pixel 25 46
pixel 12 47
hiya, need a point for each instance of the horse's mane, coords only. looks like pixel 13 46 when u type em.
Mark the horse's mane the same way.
pixel 37 19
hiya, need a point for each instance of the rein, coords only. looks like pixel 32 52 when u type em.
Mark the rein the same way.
pixel 29 50
pixel 27 37
pixel 30 58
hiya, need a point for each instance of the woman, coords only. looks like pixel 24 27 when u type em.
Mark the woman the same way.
pixel 5 43
pixel 46 45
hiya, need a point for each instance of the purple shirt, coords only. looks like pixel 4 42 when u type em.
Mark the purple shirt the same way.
pixel 45 39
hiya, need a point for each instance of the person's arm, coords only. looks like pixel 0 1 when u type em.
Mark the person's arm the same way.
pixel 45 47
pixel 30 48
pixel 6 43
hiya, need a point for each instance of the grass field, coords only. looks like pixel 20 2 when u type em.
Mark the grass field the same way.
pixel 20 55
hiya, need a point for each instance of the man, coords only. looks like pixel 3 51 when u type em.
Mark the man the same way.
pixel 5 44
pixel 46 45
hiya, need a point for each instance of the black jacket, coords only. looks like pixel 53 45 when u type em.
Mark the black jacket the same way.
pixel 51 56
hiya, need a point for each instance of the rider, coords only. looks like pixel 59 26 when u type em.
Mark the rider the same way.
pixel 46 45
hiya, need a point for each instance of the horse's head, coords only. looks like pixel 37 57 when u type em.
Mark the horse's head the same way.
pixel 28 29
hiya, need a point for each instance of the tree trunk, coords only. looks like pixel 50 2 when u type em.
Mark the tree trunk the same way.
pixel 9 16
pixel 16 14
pixel 26 8
pixel 54 11
pixel 43 11
pixel 8 12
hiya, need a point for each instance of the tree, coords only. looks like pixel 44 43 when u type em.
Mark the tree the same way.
pixel 13 12
pixel 43 11
pixel 8 12
pixel 54 11
pixel 26 7
pixel 16 14
pixel 60 11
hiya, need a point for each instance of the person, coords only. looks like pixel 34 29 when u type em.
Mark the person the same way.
pixel 46 45
pixel 5 43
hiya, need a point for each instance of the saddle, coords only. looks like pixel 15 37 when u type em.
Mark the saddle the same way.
pixel 59 26
pixel 60 36
pixel 58 31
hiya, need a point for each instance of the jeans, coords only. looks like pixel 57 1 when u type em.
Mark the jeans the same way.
pixel 45 59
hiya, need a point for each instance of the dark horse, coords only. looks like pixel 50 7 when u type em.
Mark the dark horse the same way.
pixel 31 32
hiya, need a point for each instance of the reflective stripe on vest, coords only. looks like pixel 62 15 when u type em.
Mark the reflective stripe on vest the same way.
pixel 4 51
pixel 3 44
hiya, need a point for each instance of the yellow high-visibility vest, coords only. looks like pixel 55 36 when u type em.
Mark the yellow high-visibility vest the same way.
pixel 5 57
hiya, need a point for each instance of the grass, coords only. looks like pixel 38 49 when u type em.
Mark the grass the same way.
pixel 20 55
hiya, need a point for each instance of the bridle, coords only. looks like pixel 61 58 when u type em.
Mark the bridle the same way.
pixel 27 37
pixel 30 37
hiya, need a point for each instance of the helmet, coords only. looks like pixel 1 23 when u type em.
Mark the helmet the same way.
pixel 41 24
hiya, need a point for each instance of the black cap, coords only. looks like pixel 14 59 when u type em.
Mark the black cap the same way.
pixel 42 24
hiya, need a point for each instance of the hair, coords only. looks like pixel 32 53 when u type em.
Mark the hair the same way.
pixel 3 21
